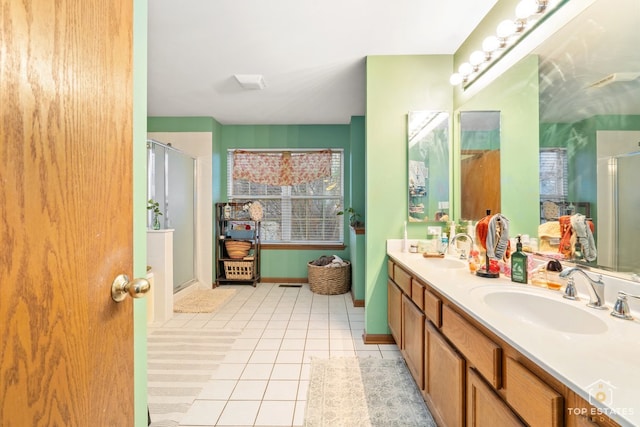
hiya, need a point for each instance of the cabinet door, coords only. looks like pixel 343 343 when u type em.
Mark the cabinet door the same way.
pixel 444 372
pixel 413 340
pixel 394 310
pixel 484 407
pixel 582 414
pixel 536 403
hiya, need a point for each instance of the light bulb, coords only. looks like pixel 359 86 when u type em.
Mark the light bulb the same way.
pixel 490 44
pixel 477 58
pixel 506 28
pixel 526 8
pixel 455 79
pixel 465 69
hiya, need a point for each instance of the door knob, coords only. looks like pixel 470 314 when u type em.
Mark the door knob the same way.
pixel 121 287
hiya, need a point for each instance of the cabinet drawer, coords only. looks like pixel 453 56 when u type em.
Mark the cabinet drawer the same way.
pixel 480 351
pixel 417 293
pixel 536 403
pixel 433 308
pixel 390 268
pixel 402 278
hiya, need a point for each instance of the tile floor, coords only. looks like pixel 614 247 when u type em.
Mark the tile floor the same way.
pixel 262 375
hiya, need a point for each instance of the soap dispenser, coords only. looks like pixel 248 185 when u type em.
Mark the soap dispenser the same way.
pixel 519 264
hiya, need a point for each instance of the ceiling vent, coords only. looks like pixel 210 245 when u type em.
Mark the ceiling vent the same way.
pixel 614 78
pixel 251 81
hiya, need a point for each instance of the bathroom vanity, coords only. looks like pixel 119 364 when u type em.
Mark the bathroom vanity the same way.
pixel 489 352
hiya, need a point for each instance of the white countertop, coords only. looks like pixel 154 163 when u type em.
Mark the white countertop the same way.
pixel 609 359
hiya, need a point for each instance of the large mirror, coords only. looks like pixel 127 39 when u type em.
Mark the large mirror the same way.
pixel 428 165
pixel 479 163
pixel 589 74
pixel 586 79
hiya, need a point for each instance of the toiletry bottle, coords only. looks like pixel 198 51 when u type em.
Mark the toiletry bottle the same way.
pixel 444 243
pixel 519 264
pixel 405 243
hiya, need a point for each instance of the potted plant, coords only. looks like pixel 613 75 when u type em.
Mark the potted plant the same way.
pixel 354 217
pixel 154 207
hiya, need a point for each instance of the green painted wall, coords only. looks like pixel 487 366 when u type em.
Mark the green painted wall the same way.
pixel 278 263
pixel 395 85
pixel 181 124
pixel 140 207
pixel 515 95
pixel 357 185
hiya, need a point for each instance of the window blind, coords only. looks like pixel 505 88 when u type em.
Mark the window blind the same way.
pixel 299 213
pixel 554 183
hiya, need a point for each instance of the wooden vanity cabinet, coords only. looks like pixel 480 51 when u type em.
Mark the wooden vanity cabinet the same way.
pixel 444 388
pixel 413 339
pixel 467 374
pixel 394 311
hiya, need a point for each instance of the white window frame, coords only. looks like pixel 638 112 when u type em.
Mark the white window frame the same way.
pixel 286 198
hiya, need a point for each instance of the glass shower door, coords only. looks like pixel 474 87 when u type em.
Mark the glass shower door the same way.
pixel 171 182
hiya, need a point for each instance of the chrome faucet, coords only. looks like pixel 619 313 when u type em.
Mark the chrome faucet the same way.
pixel 463 254
pixel 621 307
pixel 596 288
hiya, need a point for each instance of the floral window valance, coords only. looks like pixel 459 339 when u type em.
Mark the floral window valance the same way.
pixel 281 168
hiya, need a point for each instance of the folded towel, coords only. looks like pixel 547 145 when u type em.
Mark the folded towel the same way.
pixel 584 236
pixel 549 234
pixel 498 237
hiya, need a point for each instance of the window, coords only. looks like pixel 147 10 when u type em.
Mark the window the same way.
pixel 298 213
pixel 553 174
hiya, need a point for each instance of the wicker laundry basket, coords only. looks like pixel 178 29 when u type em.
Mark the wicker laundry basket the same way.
pixel 325 280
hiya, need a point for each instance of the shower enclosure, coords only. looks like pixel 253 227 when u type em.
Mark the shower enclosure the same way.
pixel 618 228
pixel 171 181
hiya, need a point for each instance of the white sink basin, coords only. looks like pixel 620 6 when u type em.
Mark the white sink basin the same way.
pixel 445 263
pixel 543 309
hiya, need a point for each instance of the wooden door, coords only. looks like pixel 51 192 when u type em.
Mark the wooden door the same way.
pixel 480 184
pixel 66 349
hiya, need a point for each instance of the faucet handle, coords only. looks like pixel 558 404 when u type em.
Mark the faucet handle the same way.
pixel 621 307
pixel 570 290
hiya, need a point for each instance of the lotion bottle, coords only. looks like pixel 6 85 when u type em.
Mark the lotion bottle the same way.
pixel 519 264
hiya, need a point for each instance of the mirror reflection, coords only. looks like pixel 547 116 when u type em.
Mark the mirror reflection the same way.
pixel 589 79
pixel 428 165
pixel 479 163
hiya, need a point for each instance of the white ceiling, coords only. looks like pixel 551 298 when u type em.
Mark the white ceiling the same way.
pixel 601 41
pixel 311 53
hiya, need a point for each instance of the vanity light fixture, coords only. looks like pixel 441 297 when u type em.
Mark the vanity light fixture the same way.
pixel 507 33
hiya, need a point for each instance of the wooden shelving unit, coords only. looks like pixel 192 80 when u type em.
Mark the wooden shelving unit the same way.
pixel 233 223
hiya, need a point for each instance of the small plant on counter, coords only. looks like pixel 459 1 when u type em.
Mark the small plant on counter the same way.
pixel 154 207
pixel 354 217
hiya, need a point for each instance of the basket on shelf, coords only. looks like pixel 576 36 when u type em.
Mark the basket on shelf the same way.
pixel 325 280
pixel 237 248
pixel 240 270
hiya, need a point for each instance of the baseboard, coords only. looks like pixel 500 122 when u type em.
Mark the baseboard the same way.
pixel 356 302
pixel 377 338
pixel 284 280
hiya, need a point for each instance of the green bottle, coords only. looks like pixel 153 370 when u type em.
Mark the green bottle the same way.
pixel 519 264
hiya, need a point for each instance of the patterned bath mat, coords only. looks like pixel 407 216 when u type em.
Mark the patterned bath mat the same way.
pixel 202 300
pixel 364 392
